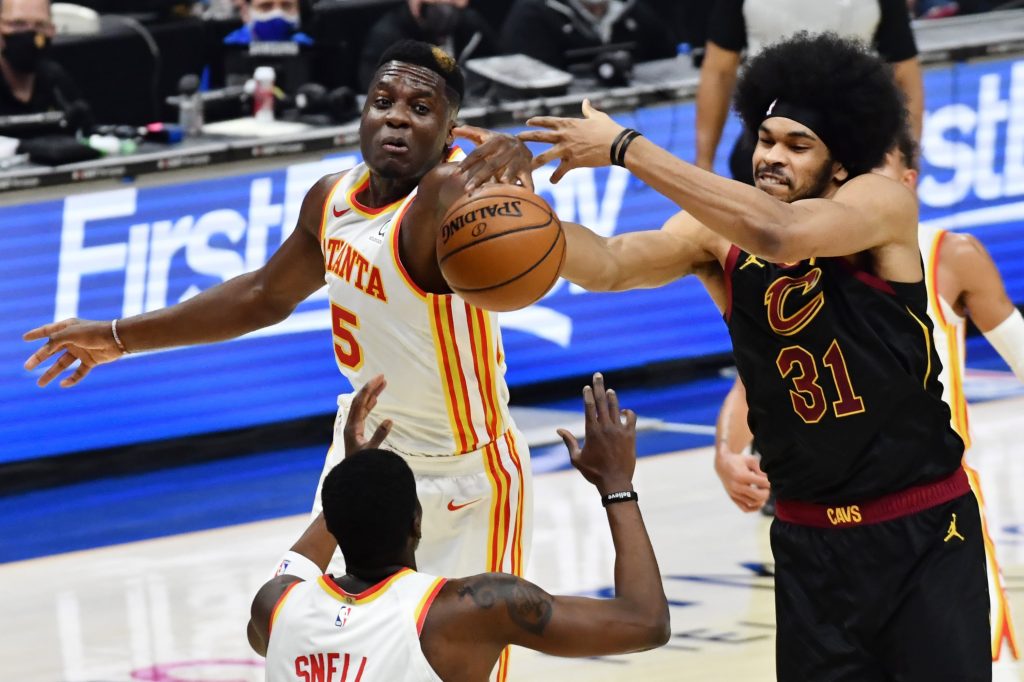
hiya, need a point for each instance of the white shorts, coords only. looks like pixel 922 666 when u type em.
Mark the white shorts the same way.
pixel 477 509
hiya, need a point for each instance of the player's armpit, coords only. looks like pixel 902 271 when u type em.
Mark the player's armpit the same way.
pixel 505 609
pixel 639 260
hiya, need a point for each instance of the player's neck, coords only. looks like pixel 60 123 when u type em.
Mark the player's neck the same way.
pixel 382 191
pixel 358 579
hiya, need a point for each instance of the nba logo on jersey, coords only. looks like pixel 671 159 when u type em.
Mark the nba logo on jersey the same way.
pixel 283 568
pixel 342 618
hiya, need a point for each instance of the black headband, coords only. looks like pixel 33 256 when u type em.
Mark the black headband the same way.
pixel 811 118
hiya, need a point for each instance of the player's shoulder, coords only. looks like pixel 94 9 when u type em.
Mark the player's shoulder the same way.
pixel 962 250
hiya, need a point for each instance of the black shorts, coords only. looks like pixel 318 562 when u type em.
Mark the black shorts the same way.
pixel 903 600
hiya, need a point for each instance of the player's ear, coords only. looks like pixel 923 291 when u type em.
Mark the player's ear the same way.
pixel 909 179
pixel 839 173
pixel 450 140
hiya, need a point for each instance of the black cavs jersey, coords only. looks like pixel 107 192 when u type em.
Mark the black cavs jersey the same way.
pixel 841 377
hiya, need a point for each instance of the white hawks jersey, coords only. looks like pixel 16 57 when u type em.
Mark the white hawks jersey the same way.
pixel 950 333
pixel 949 337
pixel 442 357
pixel 318 631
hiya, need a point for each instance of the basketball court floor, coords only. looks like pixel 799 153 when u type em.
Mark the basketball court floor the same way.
pixel 173 608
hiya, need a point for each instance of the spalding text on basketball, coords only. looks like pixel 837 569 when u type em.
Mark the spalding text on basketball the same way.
pixel 503 208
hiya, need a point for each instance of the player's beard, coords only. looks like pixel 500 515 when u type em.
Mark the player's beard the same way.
pixel 821 182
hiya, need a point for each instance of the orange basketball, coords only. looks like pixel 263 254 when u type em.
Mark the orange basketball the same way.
pixel 501 248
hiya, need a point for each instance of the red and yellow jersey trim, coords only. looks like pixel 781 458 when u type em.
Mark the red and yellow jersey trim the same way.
pixel 1002 623
pixel 954 335
pixel 327 205
pixel 933 278
pixel 368 595
pixel 428 599
pixel 453 378
pixel 277 606
pixel 361 208
pixel 396 257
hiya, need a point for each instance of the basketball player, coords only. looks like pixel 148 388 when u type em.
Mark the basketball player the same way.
pixel 962 281
pixel 384 621
pixel 880 564
pixel 370 232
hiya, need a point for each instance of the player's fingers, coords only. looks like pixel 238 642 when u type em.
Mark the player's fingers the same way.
pixel 546 157
pixel 571 444
pixel 630 417
pixel 46 350
pixel 588 109
pixel 600 397
pixel 46 330
pixel 589 408
pixel 551 122
pixel 560 172
pixel 63 362
pixel 549 136
pixel 379 435
pixel 472 133
pixel 613 403
pixel 80 373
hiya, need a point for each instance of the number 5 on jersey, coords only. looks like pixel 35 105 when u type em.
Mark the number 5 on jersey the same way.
pixel 346 348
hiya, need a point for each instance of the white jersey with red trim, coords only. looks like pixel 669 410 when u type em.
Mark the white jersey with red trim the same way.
pixel 949 335
pixel 318 631
pixel 442 357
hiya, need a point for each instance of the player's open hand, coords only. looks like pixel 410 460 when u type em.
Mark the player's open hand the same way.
pixel 85 341
pixel 608 456
pixel 498 157
pixel 577 142
pixel 362 404
pixel 743 480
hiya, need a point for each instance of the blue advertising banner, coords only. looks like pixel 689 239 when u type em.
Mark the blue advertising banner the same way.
pixel 125 251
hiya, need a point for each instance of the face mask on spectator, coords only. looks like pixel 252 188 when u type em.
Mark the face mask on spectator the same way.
pixel 274 25
pixel 439 20
pixel 23 49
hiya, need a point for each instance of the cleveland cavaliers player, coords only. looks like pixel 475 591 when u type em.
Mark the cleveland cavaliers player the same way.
pixel 962 282
pixel 818 275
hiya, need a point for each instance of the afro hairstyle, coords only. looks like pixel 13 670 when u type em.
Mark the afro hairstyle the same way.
pixel 370 503
pixel 852 90
pixel 429 57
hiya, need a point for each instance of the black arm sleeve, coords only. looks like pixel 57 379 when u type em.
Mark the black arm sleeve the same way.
pixel 727 28
pixel 894 38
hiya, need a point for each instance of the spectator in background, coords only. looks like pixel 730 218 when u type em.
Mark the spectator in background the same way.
pixel 31 83
pixel 548 29
pixel 450 24
pixel 738 25
pixel 269 21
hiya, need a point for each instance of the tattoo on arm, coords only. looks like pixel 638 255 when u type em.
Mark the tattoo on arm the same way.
pixel 528 606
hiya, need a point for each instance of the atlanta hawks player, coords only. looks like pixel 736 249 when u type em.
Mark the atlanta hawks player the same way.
pixel 370 232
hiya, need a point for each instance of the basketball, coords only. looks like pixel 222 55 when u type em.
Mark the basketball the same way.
pixel 501 248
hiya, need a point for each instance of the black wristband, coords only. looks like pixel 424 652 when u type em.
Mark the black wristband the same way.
pixel 612 151
pixel 620 153
pixel 622 496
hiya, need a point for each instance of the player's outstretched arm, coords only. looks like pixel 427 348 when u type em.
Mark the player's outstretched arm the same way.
pixel 639 260
pixel 309 557
pixel 740 472
pixel 984 297
pixel 492 610
pixel 867 212
pixel 240 305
